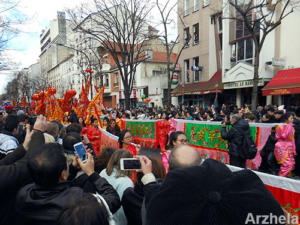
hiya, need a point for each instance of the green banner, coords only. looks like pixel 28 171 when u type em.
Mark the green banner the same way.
pixel 209 136
pixel 141 129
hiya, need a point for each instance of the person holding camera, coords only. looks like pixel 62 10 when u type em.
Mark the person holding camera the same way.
pixel 235 136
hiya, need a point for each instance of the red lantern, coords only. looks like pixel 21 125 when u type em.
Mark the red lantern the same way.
pixel 9 107
pixel 52 91
pixel 71 93
pixel 41 94
pixel 35 97
pixel 88 70
pixel 91 71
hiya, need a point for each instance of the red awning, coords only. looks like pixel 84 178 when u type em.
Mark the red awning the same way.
pixel 201 88
pixel 285 82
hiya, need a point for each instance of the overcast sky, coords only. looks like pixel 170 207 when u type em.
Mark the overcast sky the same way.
pixel 25 49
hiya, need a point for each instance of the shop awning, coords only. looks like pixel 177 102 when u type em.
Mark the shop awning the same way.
pixel 285 82
pixel 201 88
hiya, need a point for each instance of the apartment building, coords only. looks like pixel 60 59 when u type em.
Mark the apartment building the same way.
pixel 200 32
pixel 279 58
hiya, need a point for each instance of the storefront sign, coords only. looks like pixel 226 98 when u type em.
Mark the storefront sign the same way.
pixel 242 84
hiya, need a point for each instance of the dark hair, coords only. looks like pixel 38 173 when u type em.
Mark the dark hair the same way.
pixel 174 136
pixel 167 115
pixel 175 164
pixel 37 139
pixel 46 164
pixel 285 117
pixel 93 120
pixel 74 127
pixel 21 118
pixel 86 210
pixel 102 159
pixel 106 119
pixel 70 140
pixel 280 112
pixel 121 137
pixel 114 162
pixel 83 123
pixel 11 123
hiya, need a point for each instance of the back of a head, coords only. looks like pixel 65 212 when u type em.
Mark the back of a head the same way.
pixel 114 162
pixel 74 127
pixel 46 164
pixel 11 123
pixel 102 159
pixel 52 129
pixel 86 210
pixel 184 156
pixel 70 140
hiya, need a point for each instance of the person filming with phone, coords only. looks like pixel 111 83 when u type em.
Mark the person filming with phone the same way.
pixel 43 201
pixel 235 136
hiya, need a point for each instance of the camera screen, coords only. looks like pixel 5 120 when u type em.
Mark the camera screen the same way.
pixel 133 164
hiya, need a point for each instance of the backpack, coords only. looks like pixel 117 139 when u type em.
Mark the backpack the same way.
pixel 248 148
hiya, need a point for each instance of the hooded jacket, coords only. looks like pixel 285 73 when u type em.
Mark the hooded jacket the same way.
pixel 8 144
pixel 40 205
pixel 235 137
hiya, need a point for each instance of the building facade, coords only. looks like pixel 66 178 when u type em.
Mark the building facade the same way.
pixel 280 52
pixel 200 61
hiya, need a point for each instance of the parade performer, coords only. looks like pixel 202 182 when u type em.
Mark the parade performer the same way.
pixel 93 134
pixel 163 131
pixel 83 126
pixel 125 142
pixel 173 123
pixel 285 149
pixel 105 123
pixel 113 128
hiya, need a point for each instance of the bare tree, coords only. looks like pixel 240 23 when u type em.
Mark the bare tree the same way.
pixel 165 11
pixel 10 19
pixel 120 28
pixel 260 19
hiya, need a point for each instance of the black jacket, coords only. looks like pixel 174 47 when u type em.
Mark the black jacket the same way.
pixel 132 202
pixel 14 175
pixel 235 137
pixel 38 205
pixel 116 131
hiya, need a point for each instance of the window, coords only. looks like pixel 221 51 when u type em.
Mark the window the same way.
pixel 186 34
pixel 116 76
pixel 105 59
pixel 196 33
pixel 106 77
pixel 187 70
pixel 196 72
pixel 220 30
pixel 196 5
pixel 243 50
pixel 206 3
pixel 156 72
pixel 149 54
pixel 186 7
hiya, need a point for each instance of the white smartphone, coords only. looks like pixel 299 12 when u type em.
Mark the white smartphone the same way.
pixel 130 164
pixel 81 151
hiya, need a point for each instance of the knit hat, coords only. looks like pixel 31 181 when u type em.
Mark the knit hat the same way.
pixel 210 194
